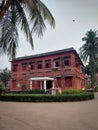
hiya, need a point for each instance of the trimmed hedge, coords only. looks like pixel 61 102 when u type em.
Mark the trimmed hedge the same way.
pixel 35 91
pixel 47 98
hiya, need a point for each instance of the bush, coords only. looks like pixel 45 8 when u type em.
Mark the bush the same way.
pixel 72 91
pixel 36 91
pixel 96 89
pixel 47 98
pixel 0 91
pixel 2 85
pixel 3 88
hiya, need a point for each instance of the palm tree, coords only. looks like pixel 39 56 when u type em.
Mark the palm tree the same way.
pixel 89 52
pixel 14 13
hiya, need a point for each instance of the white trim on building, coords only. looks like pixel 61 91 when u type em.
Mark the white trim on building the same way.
pixel 41 79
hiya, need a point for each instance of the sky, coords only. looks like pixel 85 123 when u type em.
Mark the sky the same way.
pixel 73 19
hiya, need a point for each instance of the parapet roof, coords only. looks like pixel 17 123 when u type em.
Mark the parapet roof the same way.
pixel 45 54
pixel 48 54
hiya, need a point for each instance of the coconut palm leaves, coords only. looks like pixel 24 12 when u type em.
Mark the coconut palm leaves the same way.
pixel 89 52
pixel 15 13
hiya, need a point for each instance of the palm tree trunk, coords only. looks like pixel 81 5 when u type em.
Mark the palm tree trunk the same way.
pixel 93 76
pixel 5 8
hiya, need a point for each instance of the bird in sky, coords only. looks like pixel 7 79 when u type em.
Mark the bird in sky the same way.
pixel 73 20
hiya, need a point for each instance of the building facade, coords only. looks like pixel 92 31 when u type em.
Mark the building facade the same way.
pixel 56 69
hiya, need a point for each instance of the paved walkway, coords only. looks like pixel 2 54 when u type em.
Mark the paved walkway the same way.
pixel 49 116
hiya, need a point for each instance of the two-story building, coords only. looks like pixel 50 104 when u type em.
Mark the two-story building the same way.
pixel 61 69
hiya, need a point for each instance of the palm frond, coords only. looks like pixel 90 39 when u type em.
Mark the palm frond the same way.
pixel 46 13
pixel 2 4
pixel 38 25
pixel 38 14
pixel 13 13
pixel 12 50
pixel 24 23
pixel 89 49
pixel 9 34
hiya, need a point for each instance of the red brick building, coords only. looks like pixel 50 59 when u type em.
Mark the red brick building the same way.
pixel 61 68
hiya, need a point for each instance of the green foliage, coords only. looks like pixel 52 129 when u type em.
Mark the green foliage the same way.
pixel 6 89
pixel 5 76
pixel 89 52
pixel 3 88
pixel 87 70
pixel 2 85
pixel 16 14
pixel 36 91
pixel 47 98
pixel 72 91
pixel 96 89
pixel 24 89
pixel 0 91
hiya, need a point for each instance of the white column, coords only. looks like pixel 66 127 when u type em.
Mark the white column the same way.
pixel 53 84
pixel 45 85
pixel 41 85
pixel 30 84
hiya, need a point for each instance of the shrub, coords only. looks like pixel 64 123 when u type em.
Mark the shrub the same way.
pixel 2 85
pixel 3 88
pixel 36 91
pixel 96 89
pixel 0 91
pixel 47 98
pixel 72 91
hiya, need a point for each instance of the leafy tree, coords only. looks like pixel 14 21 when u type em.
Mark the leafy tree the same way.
pixel 89 52
pixel 14 13
pixel 87 70
pixel 2 84
pixel 5 76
